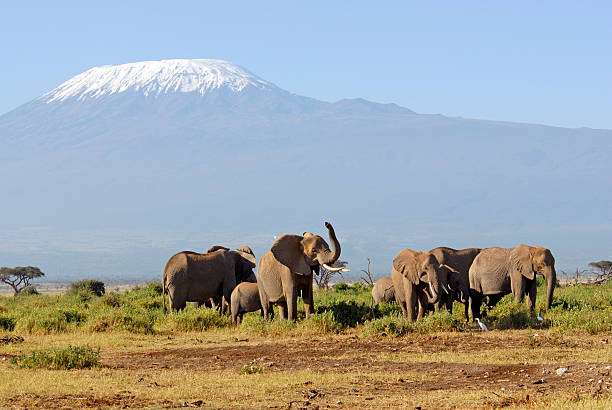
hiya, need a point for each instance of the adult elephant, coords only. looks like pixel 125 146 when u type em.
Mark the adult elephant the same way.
pixel 500 271
pixel 383 290
pixel 417 276
pixel 458 290
pixel 199 277
pixel 459 262
pixel 287 269
pixel 218 300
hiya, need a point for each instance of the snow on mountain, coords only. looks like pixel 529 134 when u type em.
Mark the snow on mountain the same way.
pixel 153 78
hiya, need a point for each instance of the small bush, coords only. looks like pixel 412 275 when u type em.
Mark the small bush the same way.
pixel 28 291
pixel 94 287
pixel 112 299
pixel 324 322
pixel 7 323
pixel 509 314
pixel 347 314
pixel 341 287
pixel 392 325
pixel 198 320
pixel 252 368
pixel 73 357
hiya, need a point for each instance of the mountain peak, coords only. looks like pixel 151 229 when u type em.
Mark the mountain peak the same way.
pixel 153 78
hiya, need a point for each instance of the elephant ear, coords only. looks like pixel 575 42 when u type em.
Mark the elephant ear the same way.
pixel 523 261
pixel 406 264
pixel 289 251
pixel 215 248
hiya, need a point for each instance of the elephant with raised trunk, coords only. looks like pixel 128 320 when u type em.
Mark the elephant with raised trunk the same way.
pixel 286 271
pixel 499 271
pixel 417 276
pixel 198 277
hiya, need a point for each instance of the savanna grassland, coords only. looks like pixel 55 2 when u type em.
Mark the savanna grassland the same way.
pixel 119 350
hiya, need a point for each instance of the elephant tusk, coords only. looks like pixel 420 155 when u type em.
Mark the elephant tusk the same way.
pixel 345 270
pixel 329 268
pixel 433 292
pixel 447 289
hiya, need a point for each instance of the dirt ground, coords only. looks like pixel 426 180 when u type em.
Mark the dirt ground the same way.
pixel 436 371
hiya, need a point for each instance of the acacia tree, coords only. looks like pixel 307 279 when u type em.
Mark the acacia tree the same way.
pixel 19 277
pixel 603 269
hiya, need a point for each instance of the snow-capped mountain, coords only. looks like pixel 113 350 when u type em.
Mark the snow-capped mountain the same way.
pixel 120 166
pixel 153 78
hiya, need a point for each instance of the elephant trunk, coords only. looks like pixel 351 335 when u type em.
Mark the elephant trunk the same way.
pixel 329 258
pixel 551 277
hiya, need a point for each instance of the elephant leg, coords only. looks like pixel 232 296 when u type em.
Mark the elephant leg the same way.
pixel 411 300
pixel 266 307
pixel 423 302
pixel 518 289
pixel 532 290
pixel 475 302
pixel 282 310
pixel 291 303
pixel 308 301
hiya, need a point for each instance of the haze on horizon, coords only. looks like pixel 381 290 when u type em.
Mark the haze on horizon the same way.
pixel 469 62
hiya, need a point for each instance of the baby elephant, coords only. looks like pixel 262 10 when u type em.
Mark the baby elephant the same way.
pixel 383 291
pixel 244 299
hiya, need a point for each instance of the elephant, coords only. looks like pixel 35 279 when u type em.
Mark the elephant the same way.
pixel 244 299
pixel 459 291
pixel 287 269
pixel 457 260
pixel 416 276
pixel 218 300
pixel 383 290
pixel 496 272
pixel 198 277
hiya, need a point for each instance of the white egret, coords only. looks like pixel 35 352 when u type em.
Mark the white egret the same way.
pixel 540 318
pixel 482 325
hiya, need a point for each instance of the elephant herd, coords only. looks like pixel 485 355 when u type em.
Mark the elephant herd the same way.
pixel 221 274
pixel 419 281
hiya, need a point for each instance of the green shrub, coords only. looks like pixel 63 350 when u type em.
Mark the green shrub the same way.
pixel 112 299
pixel 324 322
pixel 28 291
pixel 346 314
pixel 91 286
pixel 73 357
pixel 7 323
pixel 509 314
pixel 341 287
pixel 198 320
pixel 392 325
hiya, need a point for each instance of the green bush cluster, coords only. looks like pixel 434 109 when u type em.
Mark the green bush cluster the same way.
pixel 73 357
pixel 90 286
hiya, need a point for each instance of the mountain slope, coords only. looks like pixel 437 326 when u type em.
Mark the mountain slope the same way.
pixel 181 154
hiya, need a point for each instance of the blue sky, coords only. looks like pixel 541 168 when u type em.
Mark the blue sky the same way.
pixel 543 62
